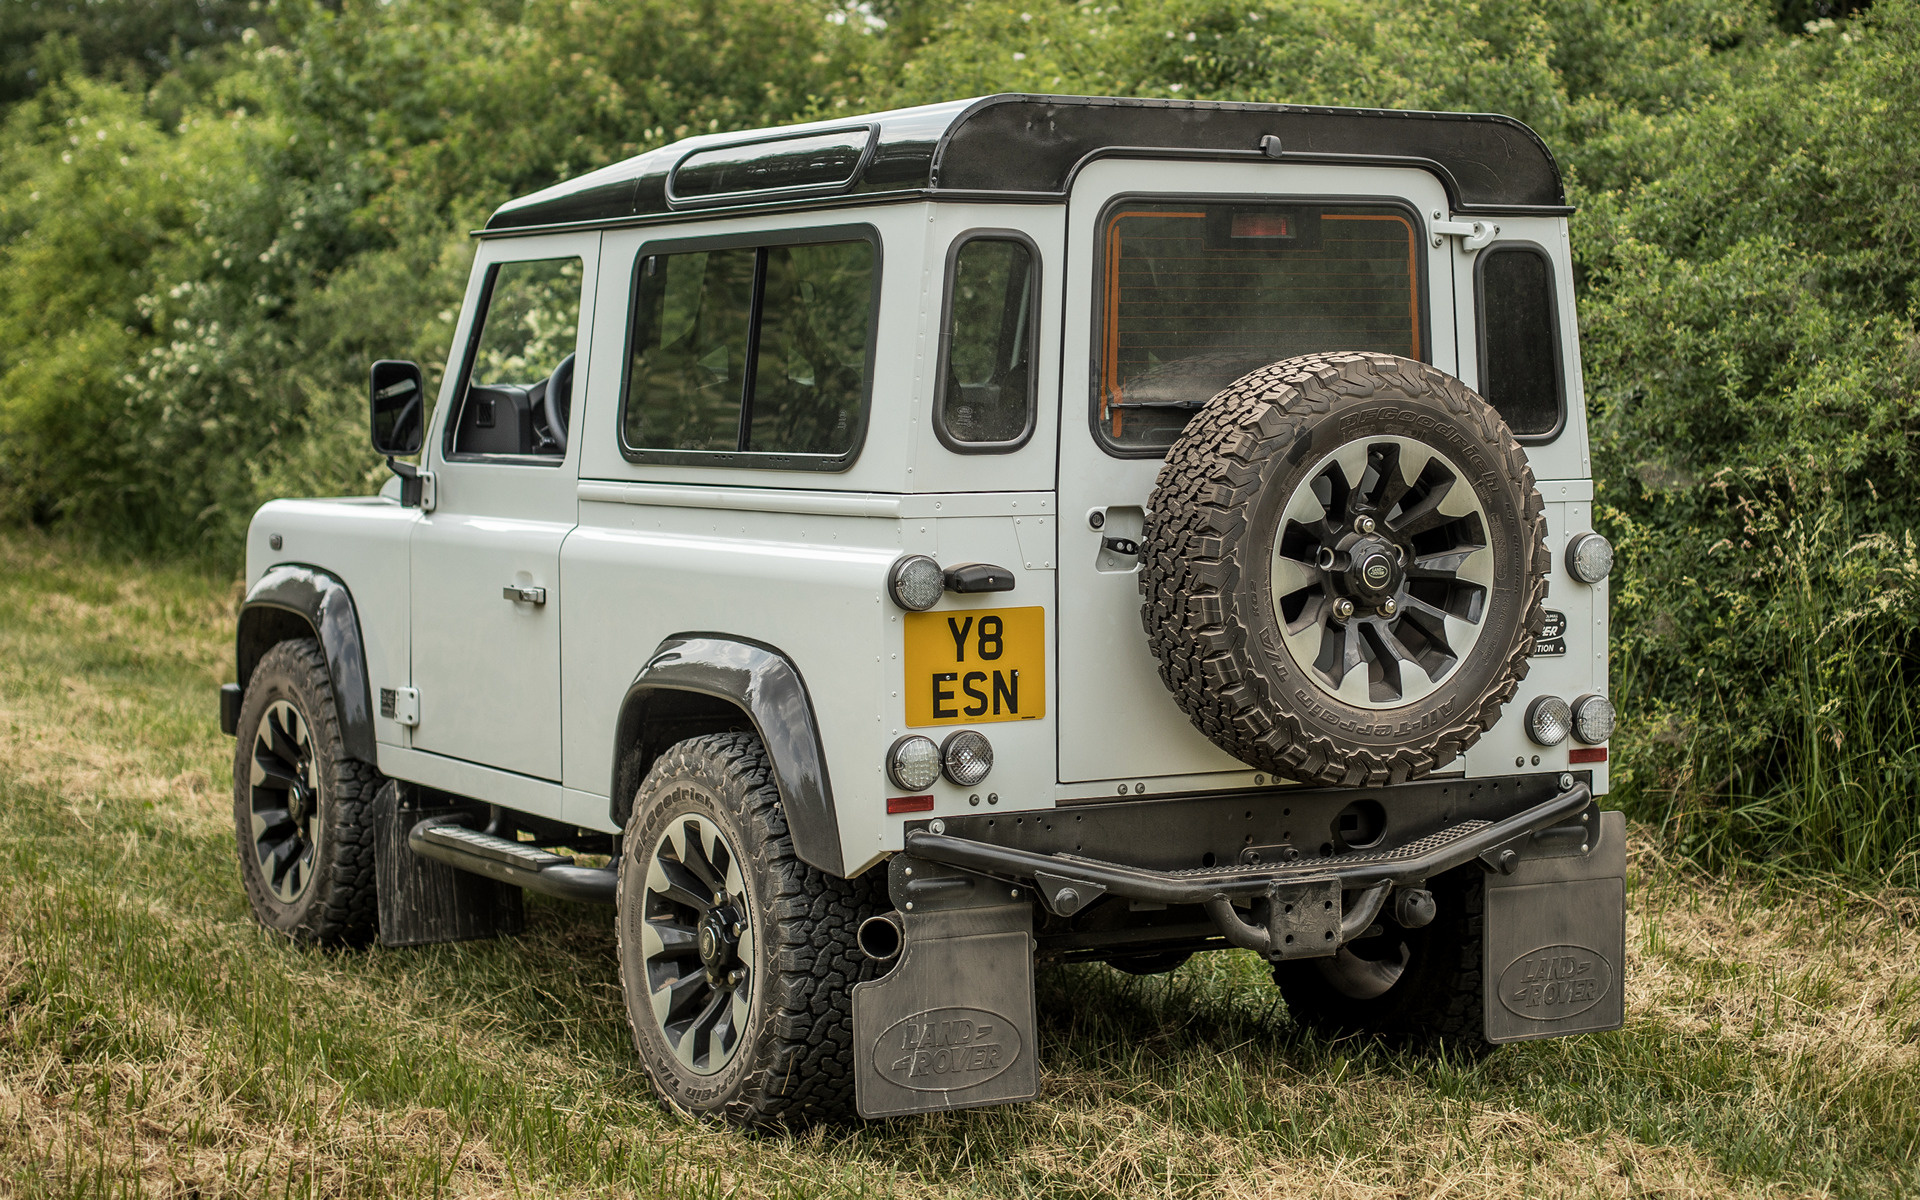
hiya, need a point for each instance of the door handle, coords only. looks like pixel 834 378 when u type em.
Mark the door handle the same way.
pixel 530 595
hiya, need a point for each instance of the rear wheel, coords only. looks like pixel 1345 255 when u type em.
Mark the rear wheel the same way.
pixel 1405 985
pixel 737 959
pixel 302 808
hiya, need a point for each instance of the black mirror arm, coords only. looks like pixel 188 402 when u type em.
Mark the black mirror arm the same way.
pixel 416 486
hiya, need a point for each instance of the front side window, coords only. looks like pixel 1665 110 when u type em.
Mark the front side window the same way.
pixel 1520 340
pixel 751 350
pixel 987 383
pixel 1195 295
pixel 518 393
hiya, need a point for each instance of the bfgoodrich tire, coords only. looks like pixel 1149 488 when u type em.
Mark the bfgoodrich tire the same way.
pixel 1343 568
pixel 302 808
pixel 737 959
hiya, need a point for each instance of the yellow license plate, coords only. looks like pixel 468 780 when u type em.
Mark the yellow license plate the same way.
pixel 977 665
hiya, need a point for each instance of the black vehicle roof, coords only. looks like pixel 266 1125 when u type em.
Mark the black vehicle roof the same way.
pixel 1023 147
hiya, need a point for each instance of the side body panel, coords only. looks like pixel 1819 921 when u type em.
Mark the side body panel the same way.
pixel 797 561
pixel 361 541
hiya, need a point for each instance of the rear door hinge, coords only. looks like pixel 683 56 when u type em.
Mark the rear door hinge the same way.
pixel 401 704
pixel 1473 235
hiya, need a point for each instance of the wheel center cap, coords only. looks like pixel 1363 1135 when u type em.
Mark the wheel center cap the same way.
pixel 1373 569
pixel 716 941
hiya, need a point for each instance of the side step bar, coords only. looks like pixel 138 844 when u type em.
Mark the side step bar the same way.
pixel 516 863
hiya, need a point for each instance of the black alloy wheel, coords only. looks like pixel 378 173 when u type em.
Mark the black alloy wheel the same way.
pixel 283 801
pixel 697 942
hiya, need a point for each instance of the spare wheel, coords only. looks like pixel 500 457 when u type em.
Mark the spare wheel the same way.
pixel 1343 569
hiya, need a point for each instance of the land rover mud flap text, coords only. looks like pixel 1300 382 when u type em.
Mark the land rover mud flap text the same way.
pixel 952 1025
pixel 1556 934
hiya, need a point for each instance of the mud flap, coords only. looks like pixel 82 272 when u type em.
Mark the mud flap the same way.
pixel 1555 944
pixel 952 1025
pixel 423 902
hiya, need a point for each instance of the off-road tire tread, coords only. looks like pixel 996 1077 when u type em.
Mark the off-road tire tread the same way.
pixel 804 1073
pixel 1195 538
pixel 346 909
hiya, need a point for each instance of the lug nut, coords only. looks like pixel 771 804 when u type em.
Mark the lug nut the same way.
pixel 1342 608
pixel 1388 607
pixel 1363 525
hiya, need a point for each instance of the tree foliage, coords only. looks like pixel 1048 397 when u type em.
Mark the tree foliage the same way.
pixel 212 215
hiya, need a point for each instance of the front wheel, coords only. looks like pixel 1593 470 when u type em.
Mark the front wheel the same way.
pixel 302 807
pixel 737 959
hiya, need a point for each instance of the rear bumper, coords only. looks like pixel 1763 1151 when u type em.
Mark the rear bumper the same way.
pixel 1410 864
pixel 1303 906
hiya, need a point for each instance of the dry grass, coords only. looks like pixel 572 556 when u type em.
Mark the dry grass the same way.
pixel 154 1042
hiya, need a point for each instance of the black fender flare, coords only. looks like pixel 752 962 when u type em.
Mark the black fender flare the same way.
pixel 763 685
pixel 292 600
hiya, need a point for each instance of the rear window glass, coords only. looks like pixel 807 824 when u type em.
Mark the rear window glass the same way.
pixel 1196 295
pixel 757 350
pixel 986 351
pixel 1520 340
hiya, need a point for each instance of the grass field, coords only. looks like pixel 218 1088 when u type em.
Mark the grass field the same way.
pixel 154 1041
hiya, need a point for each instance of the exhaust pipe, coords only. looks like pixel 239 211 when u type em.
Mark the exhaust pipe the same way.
pixel 881 938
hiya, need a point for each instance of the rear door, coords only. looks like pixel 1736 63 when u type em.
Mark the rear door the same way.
pixel 1180 279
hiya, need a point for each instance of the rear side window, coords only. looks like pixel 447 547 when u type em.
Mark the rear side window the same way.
pixel 1520 372
pixel 740 352
pixel 1195 295
pixel 987 383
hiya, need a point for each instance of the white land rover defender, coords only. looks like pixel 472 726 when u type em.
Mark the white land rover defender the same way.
pixel 910 545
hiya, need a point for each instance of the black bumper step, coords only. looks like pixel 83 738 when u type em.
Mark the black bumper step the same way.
pixel 511 862
pixel 1410 864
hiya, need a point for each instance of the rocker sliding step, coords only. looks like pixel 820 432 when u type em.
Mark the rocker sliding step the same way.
pixel 516 863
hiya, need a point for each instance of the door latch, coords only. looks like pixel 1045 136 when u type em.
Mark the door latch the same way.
pixel 522 594
pixel 1473 235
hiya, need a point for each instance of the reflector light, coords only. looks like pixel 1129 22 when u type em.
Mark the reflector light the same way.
pixel 1593 719
pixel 1589 557
pixel 1549 720
pixel 966 757
pixel 916 583
pixel 913 762
pixel 1587 754
pixel 909 804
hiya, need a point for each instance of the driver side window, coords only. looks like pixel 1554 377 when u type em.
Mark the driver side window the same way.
pixel 518 390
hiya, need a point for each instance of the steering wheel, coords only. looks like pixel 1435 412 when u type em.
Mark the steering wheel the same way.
pixel 558 402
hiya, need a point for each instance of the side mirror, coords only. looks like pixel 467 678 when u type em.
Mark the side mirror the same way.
pixel 397 404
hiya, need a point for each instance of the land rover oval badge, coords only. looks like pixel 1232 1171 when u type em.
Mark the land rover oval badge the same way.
pixel 1555 982
pixel 942 1049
